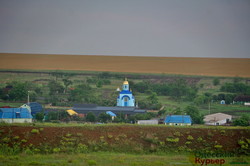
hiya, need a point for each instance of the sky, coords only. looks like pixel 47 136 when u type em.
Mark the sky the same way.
pixel 165 28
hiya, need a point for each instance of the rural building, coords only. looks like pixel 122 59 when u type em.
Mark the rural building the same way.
pixel 33 107
pixel 71 112
pixel 111 114
pixel 85 108
pixel 148 122
pixel 247 104
pixel 125 98
pixel 241 99
pixel 222 102
pixel 178 120
pixel 15 115
pixel 217 119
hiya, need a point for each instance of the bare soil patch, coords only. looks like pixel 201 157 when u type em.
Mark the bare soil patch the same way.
pixel 127 136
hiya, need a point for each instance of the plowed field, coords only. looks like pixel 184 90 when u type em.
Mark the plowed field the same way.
pixel 125 138
pixel 168 65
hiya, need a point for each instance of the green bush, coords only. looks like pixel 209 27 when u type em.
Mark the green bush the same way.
pixel 177 133
pixel 35 131
pixel 41 129
pixel 222 132
pixel 218 146
pixel 173 140
pixel 244 144
pixel 56 150
pixel 81 148
pixel 6 139
pixel 199 139
pixel 23 140
pixel 91 162
pixel 190 138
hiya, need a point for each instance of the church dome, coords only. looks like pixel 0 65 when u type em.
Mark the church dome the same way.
pixel 125 83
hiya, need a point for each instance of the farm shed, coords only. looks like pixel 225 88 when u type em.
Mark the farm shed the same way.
pixel 35 107
pixel 217 119
pixel 178 120
pixel 71 112
pixel 113 115
pixel 148 122
pixel 15 115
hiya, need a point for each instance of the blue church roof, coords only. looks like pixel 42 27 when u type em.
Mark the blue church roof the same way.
pixel 125 92
pixel 14 113
pixel 178 119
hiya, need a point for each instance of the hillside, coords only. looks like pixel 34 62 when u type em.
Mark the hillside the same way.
pixel 169 65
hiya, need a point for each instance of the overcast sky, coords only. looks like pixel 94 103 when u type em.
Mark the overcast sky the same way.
pixel 171 28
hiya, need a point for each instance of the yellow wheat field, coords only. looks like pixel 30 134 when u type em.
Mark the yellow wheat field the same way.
pixel 169 65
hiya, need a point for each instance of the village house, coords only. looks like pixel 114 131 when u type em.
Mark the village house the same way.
pixel 217 119
pixel 148 122
pixel 15 115
pixel 178 120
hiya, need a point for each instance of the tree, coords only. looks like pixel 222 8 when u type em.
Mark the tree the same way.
pixel 57 74
pixel 104 118
pixel 99 84
pixel 242 121
pixel 162 112
pixel 19 91
pixel 57 115
pixel 216 81
pixel 229 98
pixel 221 96
pixel 178 88
pixel 199 100
pixel 90 117
pixel 66 83
pixel 55 87
pixel 153 99
pixel 177 111
pixel 194 113
pixel 39 116
pixel 142 86
pixel 82 93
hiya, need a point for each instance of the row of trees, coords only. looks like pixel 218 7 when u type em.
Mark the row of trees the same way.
pixel 178 90
pixel 238 88
pixel 56 116
pixel 18 91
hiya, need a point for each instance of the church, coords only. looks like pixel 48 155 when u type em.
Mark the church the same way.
pixel 125 98
pixel 125 104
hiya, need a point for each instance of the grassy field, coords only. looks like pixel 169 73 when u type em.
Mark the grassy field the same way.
pixel 110 159
pixel 170 65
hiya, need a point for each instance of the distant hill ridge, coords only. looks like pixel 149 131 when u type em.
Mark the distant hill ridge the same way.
pixel 135 64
